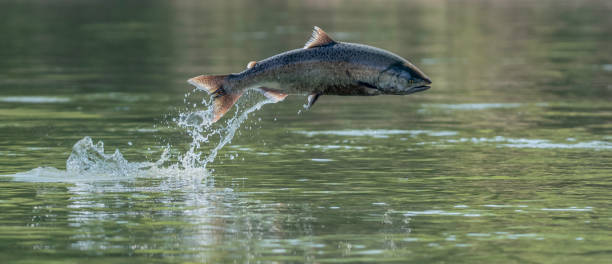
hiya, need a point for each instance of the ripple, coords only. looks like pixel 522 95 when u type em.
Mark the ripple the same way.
pixel 516 236
pixel 377 133
pixel 478 234
pixel 463 245
pixel 336 147
pixel 570 209
pixel 8 153
pixel 430 212
pixel 533 143
pixel 241 148
pixel 34 99
pixel 474 106
pixel 147 130
pixel 115 96
pixel 503 205
pixel 369 252
pixel 545 144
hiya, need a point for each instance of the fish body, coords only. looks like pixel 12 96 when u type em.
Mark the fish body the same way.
pixel 322 67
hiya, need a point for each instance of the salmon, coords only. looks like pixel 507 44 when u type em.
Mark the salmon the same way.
pixel 322 67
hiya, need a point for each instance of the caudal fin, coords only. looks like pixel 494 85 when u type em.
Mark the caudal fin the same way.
pixel 213 84
pixel 209 83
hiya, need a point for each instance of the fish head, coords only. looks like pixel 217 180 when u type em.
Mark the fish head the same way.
pixel 402 78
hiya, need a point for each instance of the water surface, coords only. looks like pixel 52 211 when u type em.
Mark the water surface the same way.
pixel 106 156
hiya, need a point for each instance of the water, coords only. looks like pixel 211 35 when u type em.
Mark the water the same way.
pixel 107 155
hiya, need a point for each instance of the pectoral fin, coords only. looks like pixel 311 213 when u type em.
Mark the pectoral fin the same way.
pixel 274 95
pixel 312 98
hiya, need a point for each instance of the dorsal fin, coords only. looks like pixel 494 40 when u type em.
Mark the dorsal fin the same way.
pixel 319 38
pixel 251 64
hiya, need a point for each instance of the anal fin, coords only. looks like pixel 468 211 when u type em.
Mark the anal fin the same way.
pixel 274 95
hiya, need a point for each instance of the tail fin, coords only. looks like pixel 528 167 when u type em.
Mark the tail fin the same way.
pixel 213 84
pixel 223 103
pixel 209 83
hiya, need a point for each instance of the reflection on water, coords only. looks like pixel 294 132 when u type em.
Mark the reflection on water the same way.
pixel 506 159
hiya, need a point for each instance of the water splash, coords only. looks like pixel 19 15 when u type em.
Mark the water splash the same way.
pixel 89 158
pixel 201 129
pixel 89 162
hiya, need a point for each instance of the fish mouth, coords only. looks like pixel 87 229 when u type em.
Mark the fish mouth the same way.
pixel 417 89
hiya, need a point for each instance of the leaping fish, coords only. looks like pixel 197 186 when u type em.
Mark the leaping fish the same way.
pixel 323 67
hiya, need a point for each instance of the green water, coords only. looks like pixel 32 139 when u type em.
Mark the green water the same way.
pixel 507 159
